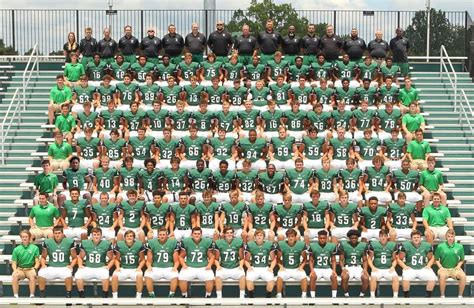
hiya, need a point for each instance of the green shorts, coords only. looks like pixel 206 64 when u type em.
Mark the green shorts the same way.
pixel 85 60
pixel 198 57
pixel 265 57
pixel 222 59
pixel 309 59
pixel 130 58
pixel 245 59
pixel 404 68
pixel 290 59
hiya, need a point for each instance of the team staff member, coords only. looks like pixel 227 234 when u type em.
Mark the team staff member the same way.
pixel 291 45
pixel 220 42
pixel 310 45
pixel 25 262
pixel 87 46
pixel 195 43
pixel 269 41
pixel 378 48
pixel 107 47
pixel 331 44
pixel 355 46
pixel 59 95
pixel 449 257
pixel 43 217
pixel 173 44
pixel 399 46
pixel 128 45
pixel 150 46
pixel 246 46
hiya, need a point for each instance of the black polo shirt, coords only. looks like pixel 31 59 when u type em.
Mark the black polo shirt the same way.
pixel 269 41
pixel 128 45
pixel 291 45
pixel 220 42
pixel 173 45
pixel 196 44
pixel 107 48
pixel 245 45
pixel 88 47
pixel 399 47
pixel 355 47
pixel 150 46
pixel 331 46
pixel 310 44
pixel 378 49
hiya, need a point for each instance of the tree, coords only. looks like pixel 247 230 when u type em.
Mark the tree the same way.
pixel 7 50
pixel 442 32
pixel 283 15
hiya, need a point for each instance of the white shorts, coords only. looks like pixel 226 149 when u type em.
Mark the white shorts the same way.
pixel 371 234
pixel 161 274
pixel 178 134
pixel 188 164
pixel 312 233
pixel 273 198
pixel 51 273
pixel 300 198
pixel 338 164
pixel 74 232
pixel 279 165
pixel 403 233
pixel 260 273
pixel 170 108
pixel 123 108
pixel 196 273
pixel 89 163
pixel 180 234
pixel 122 195
pixel 295 274
pixel 208 232
pixel 230 273
pixel 439 232
pixel 325 133
pixel 108 234
pixel 163 164
pixel 298 135
pixel 393 164
pixel 329 197
pixel 382 196
pixel 354 196
pixel 412 196
pixel 125 229
pixel 145 107
pixel 157 134
pixel 127 274
pixel 81 134
pixel 323 273
pixel 138 163
pixel 385 274
pixel 89 273
pixel 340 232
pixel 214 164
pixel 313 163
pixel 363 164
pixel 222 197
pixel 133 133
pixel 247 196
pixel 77 108
pixel 236 108
pixel 424 274
pixel 355 272
pixel 258 165
pixel 270 135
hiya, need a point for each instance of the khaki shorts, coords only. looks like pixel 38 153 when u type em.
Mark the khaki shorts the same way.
pixel 439 232
pixel 454 273
pixel 41 232
pixel 22 273
pixel 59 164
pixel 419 163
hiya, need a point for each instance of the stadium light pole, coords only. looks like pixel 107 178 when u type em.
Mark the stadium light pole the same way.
pixel 428 12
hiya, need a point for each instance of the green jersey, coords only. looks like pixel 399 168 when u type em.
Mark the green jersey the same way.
pixel 283 149
pixel 127 92
pixel 320 121
pixel 280 93
pixel 114 149
pixel 345 95
pixel 149 93
pixel 224 181
pixel 105 179
pixel 237 95
pixel 222 148
pixel 416 257
pixel 350 179
pixel 383 254
pixel 104 216
pixel 246 180
pixel 323 254
pixel 367 94
pixel 96 254
pixel 199 179
pixel 324 96
pixel 295 120
pixel 302 95
pixel 171 94
pixel 368 148
pixel 248 118
pixel 259 254
pixel 408 96
pixel 215 94
pixel 167 149
pixel 272 120
pixel 316 214
pixel 401 215
pixel 393 71
pixel 165 71
pixel 193 148
pixel 313 148
pixel 193 94
pixel 345 70
pixel 233 71
pixel 291 255
pixel 341 148
pixel 436 216
pixel 157 214
pixel 405 182
pixel 59 151
pixel 96 71
pixel 120 70
pixel 74 71
pixel 277 68
pixel 180 120
pixel 388 121
pixel 87 120
pixel 261 215
pixel 132 213
pixel 75 212
pixel 207 214
pixel 188 70
pixel 175 178
pixel 449 255
pixel 134 120
pixel 321 70
pixel 259 96
pixel 211 70
pixel 157 119
pixel 84 94
pixel 367 71
pixel 373 220
pixel 255 73
pixel 46 182
pixel 431 179
pixel 389 94
pixel 342 119
pixel 226 120
pixel 183 215
pixel 149 180
pixel 364 119
pixel 296 72
pixel 377 179
pixel 343 214
pixel 252 150
pixel 129 178
pixel 234 214
pixel 59 254
pixel 129 256
pixel 141 71
pixel 75 178
pixel 288 217
pixel 419 150
pixel 394 148
pixel 353 255
pixel 299 180
pixel 60 95
pixel 111 119
pixel 326 179
pixel 229 252
pixel 196 253
pixel 65 124
pixel 162 252
pixel 141 147
pixel 271 185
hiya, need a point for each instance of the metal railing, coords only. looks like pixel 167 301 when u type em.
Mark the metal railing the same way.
pixel 444 57
pixel 18 103
pixel 465 111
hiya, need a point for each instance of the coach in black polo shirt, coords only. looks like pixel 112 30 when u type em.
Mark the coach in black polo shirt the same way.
pixel 128 45
pixel 107 47
pixel 355 46
pixel 220 42
pixel 268 42
pixel 195 43
pixel 173 44
pixel 245 45
pixel 291 45
pixel 87 47
pixel 310 45
pixel 399 46
pixel 378 48
pixel 331 44
pixel 150 46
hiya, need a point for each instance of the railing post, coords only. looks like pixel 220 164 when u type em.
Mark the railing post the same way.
pixel 441 62
pixel 13 30
pixel 334 21
pixel 3 142
pixel 398 19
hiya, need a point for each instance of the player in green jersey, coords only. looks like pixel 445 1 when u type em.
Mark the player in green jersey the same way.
pixel 118 69
pixel 254 149
pixel 156 120
pixel 280 93
pixel 105 216
pixel 353 261
pixel 199 180
pixel 95 70
pixel 180 120
pixel 320 120
pixel 148 93
pixel 388 92
pixel 104 180
pixel 158 215
pixel 222 182
pixel 291 258
pixel 222 148
pixel 416 258
pixel 129 263
pixel 270 121
pixel 382 260
pixel 170 94
pixel 131 216
pixel 281 150
pixel 366 92
pixel 248 118
pixel 162 262
pixel 345 69
pixel 192 148
pixel 165 149
pixel 315 216
pixel 175 179
pixel 287 216
pixel 62 256
pixel 142 147
pixel 298 70
pixel 141 69
pixel 127 92
pixel 346 94
pixel 236 95
pixel 378 182
pixel 216 94
pixel 110 119
pixel 322 263
pixel 192 94
pixel 186 69
pixel 232 71
pixel 342 118
pixel 133 120
pixel 364 118
pixel 81 94
pixel 259 94
pixel 229 261
pixel 148 180
pixel 95 259
pixel 128 179
pixel 277 67
pixel 255 71
pixel 106 92
pixel 349 179
pixel 227 120
pixel 208 216
pixel 260 260
pixel 399 215
pixel 372 219
pixel 367 148
pixel 343 217
pixel 75 211
pixel 185 217
pixel 436 219
pixel 299 181
pixel 406 180
pixel 210 69
pixel 74 176
pixel 86 119
pixel 164 70
pixel 271 183
pixel 234 214
pixel 245 181
pixel 295 120
pixel 196 259
pixel 320 70
pixel 325 181
pixel 369 70
pixel 325 95
pixel 394 149
pixel 260 217
pixel 390 69
pixel 386 120
pixel 303 93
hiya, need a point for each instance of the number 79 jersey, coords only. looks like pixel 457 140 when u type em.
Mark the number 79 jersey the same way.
pixel 96 254
pixel 59 253
pixel 162 252
pixel 196 253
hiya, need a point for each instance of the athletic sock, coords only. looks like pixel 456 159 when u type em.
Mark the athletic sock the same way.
pixel 334 293
pixel 395 294
pixel 114 294
pixel 312 294
pixel 219 294
pixel 406 293
pixel 428 293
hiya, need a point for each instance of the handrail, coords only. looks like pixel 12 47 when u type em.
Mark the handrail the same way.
pixel 454 83
pixel 4 132
pixel 466 112
pixel 26 81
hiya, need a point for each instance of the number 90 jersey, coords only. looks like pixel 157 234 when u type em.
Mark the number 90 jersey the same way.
pixel 59 253
pixel 196 253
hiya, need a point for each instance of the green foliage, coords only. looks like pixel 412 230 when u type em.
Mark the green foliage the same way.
pixel 6 50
